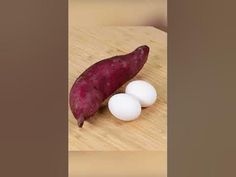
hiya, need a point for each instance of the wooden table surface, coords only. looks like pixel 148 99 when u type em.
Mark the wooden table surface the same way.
pixel 88 45
pixel 117 163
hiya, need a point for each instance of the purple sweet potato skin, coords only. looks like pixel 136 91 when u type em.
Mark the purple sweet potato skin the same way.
pixel 102 79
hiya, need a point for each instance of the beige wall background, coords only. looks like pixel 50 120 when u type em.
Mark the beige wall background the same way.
pixel 119 12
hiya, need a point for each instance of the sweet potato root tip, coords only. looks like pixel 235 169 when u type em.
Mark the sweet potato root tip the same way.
pixel 80 122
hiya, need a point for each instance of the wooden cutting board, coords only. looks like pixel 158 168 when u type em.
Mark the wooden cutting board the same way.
pixel 88 45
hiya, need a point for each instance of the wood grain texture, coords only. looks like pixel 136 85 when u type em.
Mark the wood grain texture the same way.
pixel 88 45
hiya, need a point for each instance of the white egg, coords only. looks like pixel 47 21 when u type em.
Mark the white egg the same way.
pixel 143 91
pixel 124 107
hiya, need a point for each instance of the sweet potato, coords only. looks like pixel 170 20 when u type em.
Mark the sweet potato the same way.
pixel 102 79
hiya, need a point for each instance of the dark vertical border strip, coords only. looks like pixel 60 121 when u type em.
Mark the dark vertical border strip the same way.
pixel 33 93
pixel 201 88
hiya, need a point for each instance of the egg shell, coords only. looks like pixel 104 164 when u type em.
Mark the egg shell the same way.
pixel 124 107
pixel 143 91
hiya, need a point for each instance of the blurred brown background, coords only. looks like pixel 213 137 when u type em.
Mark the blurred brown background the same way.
pixel 119 13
